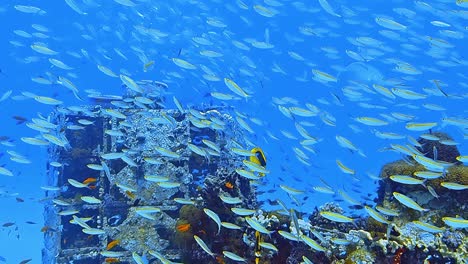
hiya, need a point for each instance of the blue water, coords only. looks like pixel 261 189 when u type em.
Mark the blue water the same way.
pixel 108 25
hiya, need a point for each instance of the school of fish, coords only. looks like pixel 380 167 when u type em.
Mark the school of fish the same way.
pixel 331 90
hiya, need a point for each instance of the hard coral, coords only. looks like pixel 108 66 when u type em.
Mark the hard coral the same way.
pixel 360 256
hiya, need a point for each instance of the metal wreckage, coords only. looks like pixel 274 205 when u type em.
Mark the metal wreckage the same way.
pixel 144 184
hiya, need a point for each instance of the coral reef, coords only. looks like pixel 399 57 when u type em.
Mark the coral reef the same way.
pixel 361 256
pixel 436 241
pixel 206 178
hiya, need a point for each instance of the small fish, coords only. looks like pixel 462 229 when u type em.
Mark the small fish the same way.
pixel 93 231
pixel 77 184
pixel 340 241
pixel 230 200
pixel 68 212
pixel 235 88
pixel 463 158
pixel 386 211
pixel 370 121
pixel 125 187
pixel 97 167
pixel 306 260
pixel 131 84
pixel 247 174
pixel 345 169
pixel 257 226
pixel 311 243
pixel 230 226
pixel 375 215
pixel 184 64
pixel 323 76
pixel 183 201
pixel 40 48
pixel 266 12
pixel 454 186
pixel 289 236
pixel 291 190
pixel 455 222
pixel 323 189
pixel 335 217
pixel 137 258
pixel 268 246
pixel 112 155
pixel 19 119
pixel 428 227
pixel 203 245
pixel 80 221
pixel 432 192
pixel 233 256
pixel 429 175
pixel 167 153
pixel 89 180
pixel 183 227
pixel 112 244
pixel 420 126
pixel 90 200
pixel 112 254
pixel 347 198
pixel 408 202
pixel 130 195
pixel 242 211
pixel 47 100
pixel 168 184
pixel 213 216
pixel 406 179
pixel 148 65
pixel 107 71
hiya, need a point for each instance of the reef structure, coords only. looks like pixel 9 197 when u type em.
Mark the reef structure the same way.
pixel 138 174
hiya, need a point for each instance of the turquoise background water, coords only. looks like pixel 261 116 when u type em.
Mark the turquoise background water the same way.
pixel 85 41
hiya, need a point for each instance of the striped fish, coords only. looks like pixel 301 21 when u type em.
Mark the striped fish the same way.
pixel 335 217
pixel 455 222
pixel 257 226
pixel 203 245
pixel 428 227
pixel 376 215
pixel 213 216
pixel 408 202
